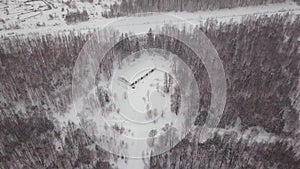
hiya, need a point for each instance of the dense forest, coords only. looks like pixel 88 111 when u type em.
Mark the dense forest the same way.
pixel 261 61
pixel 127 7
pixel 73 17
pixel 226 152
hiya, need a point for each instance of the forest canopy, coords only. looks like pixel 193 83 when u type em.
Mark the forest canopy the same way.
pixel 261 62
pixel 127 7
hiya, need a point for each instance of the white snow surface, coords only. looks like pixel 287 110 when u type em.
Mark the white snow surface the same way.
pixel 126 118
pixel 139 22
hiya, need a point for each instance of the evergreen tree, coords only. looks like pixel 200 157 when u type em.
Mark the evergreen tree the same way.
pixel 150 39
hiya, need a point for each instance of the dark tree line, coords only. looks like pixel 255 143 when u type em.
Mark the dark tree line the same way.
pixel 32 141
pixel 127 7
pixel 90 1
pixel 226 152
pixel 73 17
pixel 175 101
pixel 262 63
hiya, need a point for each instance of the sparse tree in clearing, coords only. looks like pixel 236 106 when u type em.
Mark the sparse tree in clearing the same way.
pixel 151 138
pixel 163 114
pixel 125 95
pixel 175 100
pixel 103 96
pixel 166 84
pixel 127 48
pixel 149 114
pixel 137 48
pixel 150 39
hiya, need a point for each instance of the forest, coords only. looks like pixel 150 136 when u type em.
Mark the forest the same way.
pixel 261 61
pixel 73 17
pixel 127 7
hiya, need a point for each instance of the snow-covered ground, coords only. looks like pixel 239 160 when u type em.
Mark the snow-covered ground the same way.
pixel 97 21
pixel 148 93
pixel 146 102
pixel 128 122
pixel 24 14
